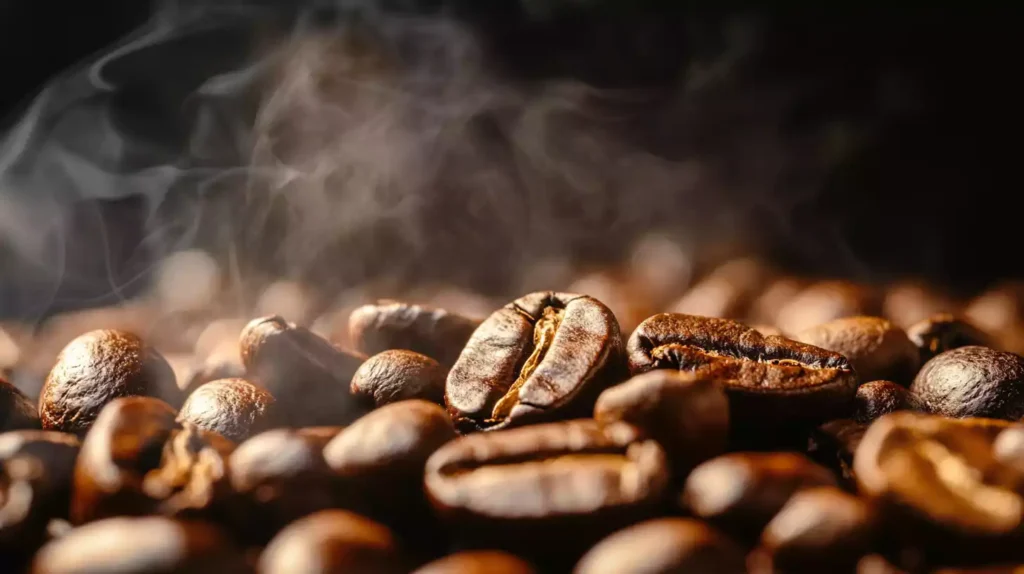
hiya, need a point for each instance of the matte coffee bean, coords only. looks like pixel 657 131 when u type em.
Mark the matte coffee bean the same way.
pixel 879 398
pixel 940 333
pixel 387 325
pixel 664 546
pixel 770 381
pixel 545 356
pixel 876 348
pixel 97 368
pixel 546 492
pixel 973 382
pixel 308 375
pixel 399 375
pixel 687 413
pixel 16 410
pixel 149 545
pixel 478 562
pixel 332 541
pixel 741 492
pixel 234 408
pixel 833 445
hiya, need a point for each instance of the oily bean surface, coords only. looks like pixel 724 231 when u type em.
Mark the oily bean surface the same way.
pixel 876 348
pixel 234 408
pixel 973 382
pixel 387 325
pixel 879 398
pixel 332 541
pixel 943 332
pixel 399 375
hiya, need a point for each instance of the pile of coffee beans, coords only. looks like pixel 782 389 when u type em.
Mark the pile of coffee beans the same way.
pixel 764 424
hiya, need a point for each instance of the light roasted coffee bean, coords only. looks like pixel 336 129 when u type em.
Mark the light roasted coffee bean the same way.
pixel 879 398
pixel 973 382
pixel 399 375
pixel 234 408
pixel 876 348
pixel 388 325
pixel 664 546
pixel 332 541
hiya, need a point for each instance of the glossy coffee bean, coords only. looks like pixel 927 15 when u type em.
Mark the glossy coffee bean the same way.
pixel 940 333
pixel 823 302
pixel 399 375
pixel 769 380
pixel 664 546
pixel 833 445
pixel 97 368
pixel 331 541
pixel 149 545
pixel 545 356
pixel 742 492
pixel 16 410
pixel 879 398
pixel 478 562
pixel 973 382
pixel 546 492
pixel 309 376
pixel 819 530
pixel 234 408
pixel 876 348
pixel 940 489
pixel 388 325
pixel 686 412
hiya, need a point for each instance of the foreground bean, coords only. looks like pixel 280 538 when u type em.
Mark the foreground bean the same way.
pixel 664 546
pixel 331 541
pixel 973 382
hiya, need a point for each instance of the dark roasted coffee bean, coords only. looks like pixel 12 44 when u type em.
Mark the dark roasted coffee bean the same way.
pixel 137 460
pixel 477 562
pixel 54 454
pixel 664 546
pixel 234 408
pixel 149 545
pixel 770 381
pixel 876 348
pixel 973 382
pixel 331 541
pixel 940 489
pixel 390 325
pixel 940 333
pixel 97 368
pixel 545 356
pixel 819 530
pixel 30 497
pixel 741 492
pixel 687 413
pixel 548 491
pixel 16 410
pixel 399 375
pixel 833 445
pixel 879 398
pixel 309 376
pixel 823 302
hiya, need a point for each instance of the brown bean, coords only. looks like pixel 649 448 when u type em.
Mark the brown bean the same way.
pixel 234 408
pixel 399 375
pixel 876 348
pixel 387 325
pixel 664 546
pixel 16 410
pixel 478 562
pixel 331 541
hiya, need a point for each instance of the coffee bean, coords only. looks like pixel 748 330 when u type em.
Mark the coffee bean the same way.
pixel 819 530
pixel 833 445
pixel 664 546
pixel 876 348
pixel 767 330
pixel 999 311
pixel 545 356
pixel 224 362
pixel 234 408
pixel 824 301
pixel 940 489
pixel 726 292
pixel 28 501
pixel 55 454
pixel 1009 447
pixel 399 375
pixel 877 564
pixel 879 398
pixel 973 382
pixel 940 333
pixel 309 377
pixel 741 492
pixel 619 292
pixel 773 297
pixel 319 435
pixel 141 546
pixel 687 413
pixel 546 492
pixel 770 381
pixel 387 325
pixel 331 541
pixel 97 368
pixel 909 302
pixel 478 562
pixel 16 410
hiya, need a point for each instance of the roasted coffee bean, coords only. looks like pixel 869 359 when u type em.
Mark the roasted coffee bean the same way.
pixel 940 333
pixel 477 562
pixel 16 410
pixel 770 381
pixel 940 489
pixel 399 375
pixel 619 292
pixel 234 408
pixel 546 492
pixel 876 348
pixel 767 330
pixel 879 398
pixel 319 435
pixel 741 492
pixel 25 509
pixel 388 325
pixel 877 564
pixel 309 376
pixel 686 412
pixel 97 368
pixel 664 546
pixel 772 298
pixel 823 302
pixel 55 453
pixel 332 541
pixel 819 530
pixel 999 312
pixel 1009 447
pixel 224 362
pixel 727 292
pixel 973 382
pixel 833 445
pixel 149 545
pixel 137 460
pixel 545 356
pixel 909 302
